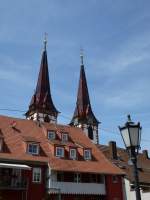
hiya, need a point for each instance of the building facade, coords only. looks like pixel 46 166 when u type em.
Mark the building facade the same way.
pixel 41 159
pixel 119 157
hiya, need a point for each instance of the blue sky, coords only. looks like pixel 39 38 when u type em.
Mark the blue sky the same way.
pixel 115 36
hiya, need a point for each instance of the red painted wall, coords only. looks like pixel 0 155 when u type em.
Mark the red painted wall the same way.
pixel 11 195
pixel 114 189
pixel 35 191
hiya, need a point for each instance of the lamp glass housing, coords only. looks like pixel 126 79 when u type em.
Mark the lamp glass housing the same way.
pixel 131 134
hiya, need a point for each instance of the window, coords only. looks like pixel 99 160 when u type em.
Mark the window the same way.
pixel 1 144
pixel 92 178
pixel 73 154
pixel 60 176
pixel 46 119
pixel 59 151
pixel 100 178
pixel 77 177
pixel 64 137
pixel 36 178
pixel 114 179
pixel 68 177
pixel 16 177
pixel 85 178
pixel 33 149
pixel 90 132
pixel 51 135
pixel 87 154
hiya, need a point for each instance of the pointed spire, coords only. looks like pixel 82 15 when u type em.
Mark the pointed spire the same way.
pixel 41 101
pixel 83 111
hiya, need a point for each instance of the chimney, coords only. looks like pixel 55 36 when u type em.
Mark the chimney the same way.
pixel 145 154
pixel 113 150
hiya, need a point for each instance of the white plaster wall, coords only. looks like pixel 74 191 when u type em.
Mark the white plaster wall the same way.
pixel 41 116
pixel 85 130
pixel 130 195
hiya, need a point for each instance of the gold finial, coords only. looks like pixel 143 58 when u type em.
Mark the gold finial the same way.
pixel 45 40
pixel 81 56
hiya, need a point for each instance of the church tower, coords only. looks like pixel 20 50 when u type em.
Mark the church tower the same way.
pixel 83 115
pixel 41 107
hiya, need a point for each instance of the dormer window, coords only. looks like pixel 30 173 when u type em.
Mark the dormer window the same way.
pixel 60 152
pixel 51 135
pixel 64 137
pixel 33 148
pixel 73 154
pixel 87 154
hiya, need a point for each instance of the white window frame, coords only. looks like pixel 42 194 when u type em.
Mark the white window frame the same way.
pixel 32 152
pixel 36 175
pixel 74 157
pixel 64 137
pixel 53 135
pixel 58 150
pixel 77 177
pixel 89 154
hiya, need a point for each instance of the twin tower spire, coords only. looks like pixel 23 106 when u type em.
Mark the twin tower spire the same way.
pixel 42 108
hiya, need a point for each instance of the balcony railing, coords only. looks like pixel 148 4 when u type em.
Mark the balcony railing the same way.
pixel 13 184
pixel 77 188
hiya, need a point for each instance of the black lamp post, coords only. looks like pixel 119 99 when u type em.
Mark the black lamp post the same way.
pixel 131 135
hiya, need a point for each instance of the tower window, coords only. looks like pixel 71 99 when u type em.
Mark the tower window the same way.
pixel 90 132
pixel 46 119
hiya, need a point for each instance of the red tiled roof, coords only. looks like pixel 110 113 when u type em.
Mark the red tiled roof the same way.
pixel 16 144
pixel 123 162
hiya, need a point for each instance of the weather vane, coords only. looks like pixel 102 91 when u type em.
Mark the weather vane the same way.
pixel 81 56
pixel 45 40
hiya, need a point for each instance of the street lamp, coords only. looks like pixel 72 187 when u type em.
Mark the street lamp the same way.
pixel 131 135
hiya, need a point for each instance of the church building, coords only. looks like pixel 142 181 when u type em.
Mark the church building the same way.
pixel 44 160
